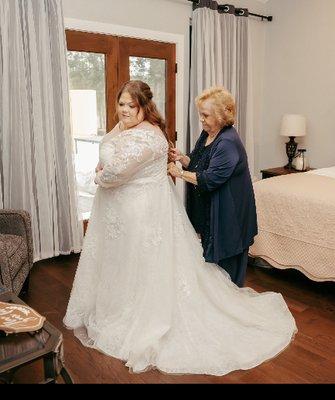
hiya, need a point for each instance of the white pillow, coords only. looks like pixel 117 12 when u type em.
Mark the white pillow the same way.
pixel 330 171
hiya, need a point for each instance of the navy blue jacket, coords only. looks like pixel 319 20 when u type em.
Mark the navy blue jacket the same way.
pixel 233 220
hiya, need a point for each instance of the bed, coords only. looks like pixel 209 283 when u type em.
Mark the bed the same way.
pixel 296 220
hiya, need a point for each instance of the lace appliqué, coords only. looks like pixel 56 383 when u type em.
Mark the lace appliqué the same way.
pixel 114 225
pixel 154 237
pixel 184 288
pixel 90 247
pixel 178 223
pixel 128 151
pixel 108 175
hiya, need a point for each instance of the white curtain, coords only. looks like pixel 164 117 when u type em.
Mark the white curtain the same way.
pixel 36 146
pixel 221 55
pixel 1 116
pixel 1 196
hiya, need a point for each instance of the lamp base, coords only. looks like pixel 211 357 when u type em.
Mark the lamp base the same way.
pixel 289 166
pixel 291 148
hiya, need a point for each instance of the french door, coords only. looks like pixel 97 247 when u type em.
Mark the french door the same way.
pixel 124 59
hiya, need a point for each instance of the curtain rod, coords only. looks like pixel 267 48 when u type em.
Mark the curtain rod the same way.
pixel 226 8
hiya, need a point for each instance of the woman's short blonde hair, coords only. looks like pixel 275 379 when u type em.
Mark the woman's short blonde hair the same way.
pixel 223 104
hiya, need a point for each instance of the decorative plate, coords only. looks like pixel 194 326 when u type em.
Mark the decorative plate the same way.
pixel 15 318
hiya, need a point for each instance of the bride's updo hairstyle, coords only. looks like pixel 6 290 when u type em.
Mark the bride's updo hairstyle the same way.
pixel 142 95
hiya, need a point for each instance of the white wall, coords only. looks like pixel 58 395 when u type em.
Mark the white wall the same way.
pixel 299 78
pixel 160 15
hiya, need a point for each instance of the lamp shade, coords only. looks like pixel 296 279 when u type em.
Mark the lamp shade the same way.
pixel 293 125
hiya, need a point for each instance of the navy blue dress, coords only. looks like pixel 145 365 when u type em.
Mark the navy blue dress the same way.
pixel 199 201
pixel 224 180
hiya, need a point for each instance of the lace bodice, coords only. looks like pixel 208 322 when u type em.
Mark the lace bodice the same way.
pixel 135 154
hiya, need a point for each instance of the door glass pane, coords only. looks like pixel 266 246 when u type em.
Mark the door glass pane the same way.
pixel 87 92
pixel 88 120
pixel 152 72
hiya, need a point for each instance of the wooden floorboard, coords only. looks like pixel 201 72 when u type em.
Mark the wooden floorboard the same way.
pixel 310 358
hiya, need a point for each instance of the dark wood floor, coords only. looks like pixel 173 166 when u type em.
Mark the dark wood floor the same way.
pixel 309 359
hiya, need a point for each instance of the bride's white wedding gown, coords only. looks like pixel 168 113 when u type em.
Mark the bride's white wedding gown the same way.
pixel 143 292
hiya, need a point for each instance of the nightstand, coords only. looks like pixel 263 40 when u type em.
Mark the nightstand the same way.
pixel 269 173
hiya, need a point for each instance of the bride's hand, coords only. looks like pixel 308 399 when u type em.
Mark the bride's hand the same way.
pixel 98 168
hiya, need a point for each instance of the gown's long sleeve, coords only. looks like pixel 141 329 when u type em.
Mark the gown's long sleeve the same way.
pixel 126 157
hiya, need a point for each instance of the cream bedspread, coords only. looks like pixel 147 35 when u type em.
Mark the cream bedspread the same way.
pixel 296 219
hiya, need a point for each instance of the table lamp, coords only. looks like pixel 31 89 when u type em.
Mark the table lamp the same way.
pixel 292 125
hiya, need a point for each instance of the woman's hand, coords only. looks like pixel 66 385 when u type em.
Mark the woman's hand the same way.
pixel 174 171
pixel 175 154
pixel 98 168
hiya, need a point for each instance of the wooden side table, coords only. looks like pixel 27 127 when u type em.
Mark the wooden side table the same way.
pixel 269 173
pixel 24 348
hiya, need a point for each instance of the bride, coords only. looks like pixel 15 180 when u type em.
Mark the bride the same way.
pixel 142 291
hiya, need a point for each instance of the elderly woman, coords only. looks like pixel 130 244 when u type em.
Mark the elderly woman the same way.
pixel 220 204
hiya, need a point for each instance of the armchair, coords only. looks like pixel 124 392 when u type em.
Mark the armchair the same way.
pixel 16 250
